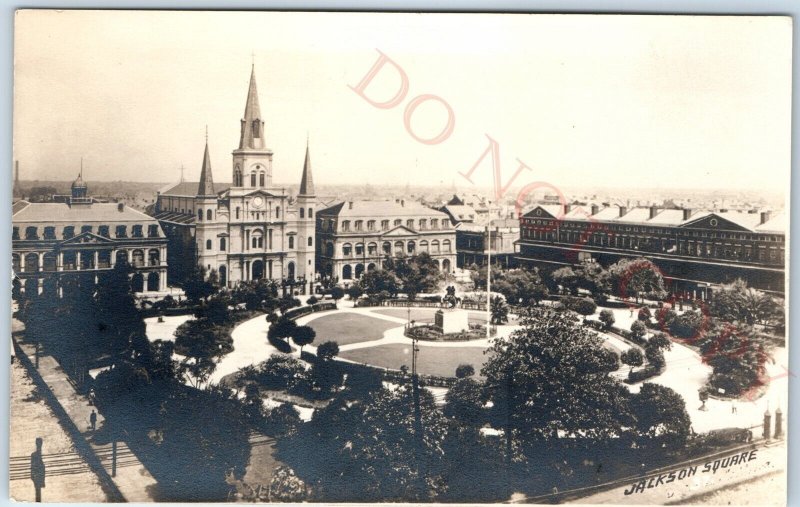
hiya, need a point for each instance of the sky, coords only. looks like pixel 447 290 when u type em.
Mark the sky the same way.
pixel 626 101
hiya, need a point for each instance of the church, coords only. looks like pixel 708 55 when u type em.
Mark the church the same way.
pixel 248 230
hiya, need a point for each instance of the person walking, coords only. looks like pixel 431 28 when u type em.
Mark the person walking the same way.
pixel 93 420
pixel 37 469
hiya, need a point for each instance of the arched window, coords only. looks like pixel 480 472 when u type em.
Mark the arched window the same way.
pixel 252 179
pixel 347 272
pixel 291 241
pixel 209 215
pixel 261 179
pixel 310 213
pixel 302 213
pixel 199 214
pixel 398 248
pixel 153 257
pixel 138 258
pixel 222 244
pixel 310 241
pixel 387 248
pixel 410 247
pixel 372 249
pixel 209 245
pixel 423 246
pixel 446 246
pixel 359 249
pixel 277 212
pixel 347 249
pixel 435 246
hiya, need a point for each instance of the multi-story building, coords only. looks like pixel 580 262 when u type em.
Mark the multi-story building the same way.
pixel 78 238
pixel 694 249
pixel 500 235
pixel 248 230
pixel 355 236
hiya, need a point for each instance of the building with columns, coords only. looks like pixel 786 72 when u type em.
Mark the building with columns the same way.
pixel 248 230
pixel 80 238
pixel 355 236
pixel 695 250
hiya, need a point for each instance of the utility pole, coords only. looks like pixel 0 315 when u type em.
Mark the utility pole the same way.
pixel 421 468
pixel 488 279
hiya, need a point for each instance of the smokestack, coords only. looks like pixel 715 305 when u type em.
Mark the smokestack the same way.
pixel 687 213
pixel 120 206
pixel 350 205
pixel 765 216
pixel 623 210
pixel 653 211
pixel 567 208
pixel 595 209
pixel 402 202
pixel 16 172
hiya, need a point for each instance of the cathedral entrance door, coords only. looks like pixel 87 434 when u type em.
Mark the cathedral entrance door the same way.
pixel 258 270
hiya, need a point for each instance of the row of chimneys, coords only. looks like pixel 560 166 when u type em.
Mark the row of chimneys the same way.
pixel 687 212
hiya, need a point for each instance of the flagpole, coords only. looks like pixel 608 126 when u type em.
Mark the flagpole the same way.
pixel 488 279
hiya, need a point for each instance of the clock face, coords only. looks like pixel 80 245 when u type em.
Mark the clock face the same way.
pixel 258 201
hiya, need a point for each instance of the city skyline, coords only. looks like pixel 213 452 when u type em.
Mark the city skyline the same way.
pixel 145 98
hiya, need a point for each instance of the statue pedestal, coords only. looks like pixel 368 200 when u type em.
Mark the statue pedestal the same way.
pixel 451 321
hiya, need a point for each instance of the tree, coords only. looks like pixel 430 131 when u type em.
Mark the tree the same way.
pixel 201 344
pixel 302 336
pixel 737 356
pixel 464 371
pixel 633 357
pixel 661 416
pixel 283 328
pixel 280 371
pixel 584 306
pixel 638 330
pixel 550 364
pixel 285 486
pixel 379 280
pixel 328 350
pixel 519 286
pixel 499 310
pixel 197 286
pixel 566 278
pixel 464 403
pixel 607 318
pixel 637 278
pixel 660 341
pixel 355 291
pixel 736 302
pixel 337 293
pixel 644 314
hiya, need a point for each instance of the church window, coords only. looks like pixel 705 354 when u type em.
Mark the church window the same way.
pixel 199 214
pixel 261 179
pixel 222 244
pixel 310 241
pixel 302 213
pixel 252 179
pixel 209 215
pixel 209 245
pixel 291 241
pixel 256 128
pixel 310 213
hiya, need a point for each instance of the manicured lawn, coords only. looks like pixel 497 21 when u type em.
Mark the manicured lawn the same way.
pixel 431 360
pixel 423 314
pixel 344 328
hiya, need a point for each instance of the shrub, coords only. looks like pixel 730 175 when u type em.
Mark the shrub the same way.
pixel 280 372
pixel 607 318
pixel 638 330
pixel 465 370
pixel 644 314
pixel 328 350
pixel 312 300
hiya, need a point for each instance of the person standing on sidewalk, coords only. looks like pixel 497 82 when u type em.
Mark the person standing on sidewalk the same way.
pixel 93 420
pixel 37 469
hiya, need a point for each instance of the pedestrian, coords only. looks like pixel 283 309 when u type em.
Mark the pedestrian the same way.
pixel 733 407
pixel 37 469
pixel 93 420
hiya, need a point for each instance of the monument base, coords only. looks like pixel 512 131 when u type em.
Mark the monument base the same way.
pixel 451 321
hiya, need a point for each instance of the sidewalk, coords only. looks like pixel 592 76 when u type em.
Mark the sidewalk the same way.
pixel 132 481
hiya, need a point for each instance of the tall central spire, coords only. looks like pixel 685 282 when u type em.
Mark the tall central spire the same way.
pixel 252 127
pixel 206 187
pixel 307 180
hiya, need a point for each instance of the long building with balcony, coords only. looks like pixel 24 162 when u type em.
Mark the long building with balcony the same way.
pixel 694 249
pixel 356 236
pixel 78 238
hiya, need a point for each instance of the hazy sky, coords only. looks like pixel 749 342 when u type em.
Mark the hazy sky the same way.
pixel 672 101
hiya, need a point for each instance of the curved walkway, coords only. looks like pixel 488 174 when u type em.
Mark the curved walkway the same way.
pixel 250 347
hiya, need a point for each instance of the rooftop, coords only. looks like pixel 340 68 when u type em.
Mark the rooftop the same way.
pixel 369 209
pixel 46 212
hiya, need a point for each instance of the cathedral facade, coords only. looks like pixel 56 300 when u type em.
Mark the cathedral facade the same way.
pixel 248 230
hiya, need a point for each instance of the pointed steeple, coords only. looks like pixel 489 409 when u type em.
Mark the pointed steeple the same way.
pixel 252 126
pixel 206 187
pixel 307 181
